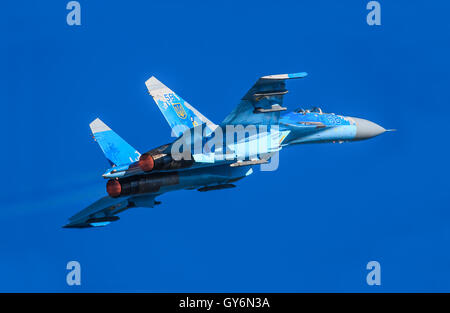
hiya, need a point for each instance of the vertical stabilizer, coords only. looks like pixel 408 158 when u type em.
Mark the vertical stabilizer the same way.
pixel 116 150
pixel 178 113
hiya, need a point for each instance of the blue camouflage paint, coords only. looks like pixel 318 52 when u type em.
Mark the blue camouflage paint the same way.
pixel 329 119
pixel 298 75
pixel 317 127
pixel 116 150
pixel 177 114
pixel 259 108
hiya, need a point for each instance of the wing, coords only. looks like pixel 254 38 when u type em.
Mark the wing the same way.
pixel 105 210
pixel 262 104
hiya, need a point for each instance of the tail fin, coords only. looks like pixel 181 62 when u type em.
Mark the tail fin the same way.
pixel 179 114
pixel 117 151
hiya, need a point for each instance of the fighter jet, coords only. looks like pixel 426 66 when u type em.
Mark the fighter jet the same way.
pixel 205 156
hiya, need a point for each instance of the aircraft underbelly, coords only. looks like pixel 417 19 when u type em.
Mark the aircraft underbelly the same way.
pixel 199 177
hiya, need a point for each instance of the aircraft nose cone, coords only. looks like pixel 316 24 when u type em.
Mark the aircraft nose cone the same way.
pixel 366 129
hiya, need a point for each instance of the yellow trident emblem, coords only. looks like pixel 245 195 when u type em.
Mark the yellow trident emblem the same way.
pixel 178 107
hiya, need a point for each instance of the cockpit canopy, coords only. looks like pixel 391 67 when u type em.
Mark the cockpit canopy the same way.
pixel 313 110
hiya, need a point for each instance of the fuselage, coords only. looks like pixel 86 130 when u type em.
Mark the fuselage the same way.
pixel 220 162
pixel 314 126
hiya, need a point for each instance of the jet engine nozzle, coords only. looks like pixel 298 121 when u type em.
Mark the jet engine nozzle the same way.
pixel 146 162
pixel 157 161
pixel 113 188
pixel 138 185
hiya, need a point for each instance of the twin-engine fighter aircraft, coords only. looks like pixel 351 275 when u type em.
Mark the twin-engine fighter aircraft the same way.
pixel 206 156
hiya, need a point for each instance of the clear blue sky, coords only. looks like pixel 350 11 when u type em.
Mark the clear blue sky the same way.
pixel 310 226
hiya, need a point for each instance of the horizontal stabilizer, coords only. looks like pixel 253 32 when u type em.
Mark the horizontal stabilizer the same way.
pixel 105 210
